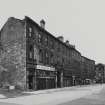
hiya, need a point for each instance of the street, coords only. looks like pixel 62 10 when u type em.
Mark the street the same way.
pixel 94 99
pixel 79 95
pixel 3 103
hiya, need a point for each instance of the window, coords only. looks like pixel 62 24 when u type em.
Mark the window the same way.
pixel 30 51
pixel 63 49
pixel 51 57
pixel 46 40
pixel 47 57
pixel 63 61
pixel 35 53
pixel 52 44
pixel 39 38
pixel 30 55
pixel 58 47
pixel 69 61
pixel 40 56
pixel 30 31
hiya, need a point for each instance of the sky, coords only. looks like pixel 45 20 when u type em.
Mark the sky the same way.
pixel 82 22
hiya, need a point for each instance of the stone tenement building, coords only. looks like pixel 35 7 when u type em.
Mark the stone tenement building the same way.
pixel 49 61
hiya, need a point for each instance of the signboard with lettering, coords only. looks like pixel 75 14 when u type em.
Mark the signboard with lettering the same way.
pixel 41 67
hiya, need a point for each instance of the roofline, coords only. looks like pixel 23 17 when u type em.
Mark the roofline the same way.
pixel 8 20
pixel 100 64
pixel 44 30
pixel 87 58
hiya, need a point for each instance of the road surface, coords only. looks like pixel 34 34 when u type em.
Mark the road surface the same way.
pixel 85 95
pixel 93 99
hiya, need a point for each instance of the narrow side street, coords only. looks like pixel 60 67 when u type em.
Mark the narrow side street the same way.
pixel 66 96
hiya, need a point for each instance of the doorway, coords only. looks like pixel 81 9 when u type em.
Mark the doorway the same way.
pixel 30 79
pixel 30 82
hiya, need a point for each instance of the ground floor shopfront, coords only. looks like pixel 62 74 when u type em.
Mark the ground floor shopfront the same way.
pixel 41 77
pixel 44 77
pixel 67 81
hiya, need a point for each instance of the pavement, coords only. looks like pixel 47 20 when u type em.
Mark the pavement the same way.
pixel 61 96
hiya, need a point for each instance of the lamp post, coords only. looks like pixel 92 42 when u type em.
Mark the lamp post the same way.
pixel 35 75
pixel 73 80
pixel 56 80
pixel 61 79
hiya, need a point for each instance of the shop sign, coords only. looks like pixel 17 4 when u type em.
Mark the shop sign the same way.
pixel 40 67
pixel 41 73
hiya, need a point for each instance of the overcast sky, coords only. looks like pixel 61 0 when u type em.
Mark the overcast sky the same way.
pixel 82 22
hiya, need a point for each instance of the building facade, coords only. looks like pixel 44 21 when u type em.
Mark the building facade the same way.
pixel 87 69
pixel 48 62
pixel 100 73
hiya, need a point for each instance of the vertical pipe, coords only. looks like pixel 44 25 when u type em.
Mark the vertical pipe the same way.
pixel 56 79
pixel 35 81
pixel 61 79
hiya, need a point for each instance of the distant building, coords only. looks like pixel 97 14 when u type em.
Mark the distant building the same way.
pixel 49 61
pixel 87 68
pixel 100 73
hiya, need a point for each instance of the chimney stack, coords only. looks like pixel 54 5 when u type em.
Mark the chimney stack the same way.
pixel 67 42
pixel 72 46
pixel 61 38
pixel 42 24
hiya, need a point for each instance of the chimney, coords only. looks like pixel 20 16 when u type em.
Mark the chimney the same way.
pixel 72 46
pixel 61 38
pixel 67 42
pixel 42 24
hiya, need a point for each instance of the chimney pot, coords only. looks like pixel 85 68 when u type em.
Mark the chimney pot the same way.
pixel 61 38
pixel 42 23
pixel 67 42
